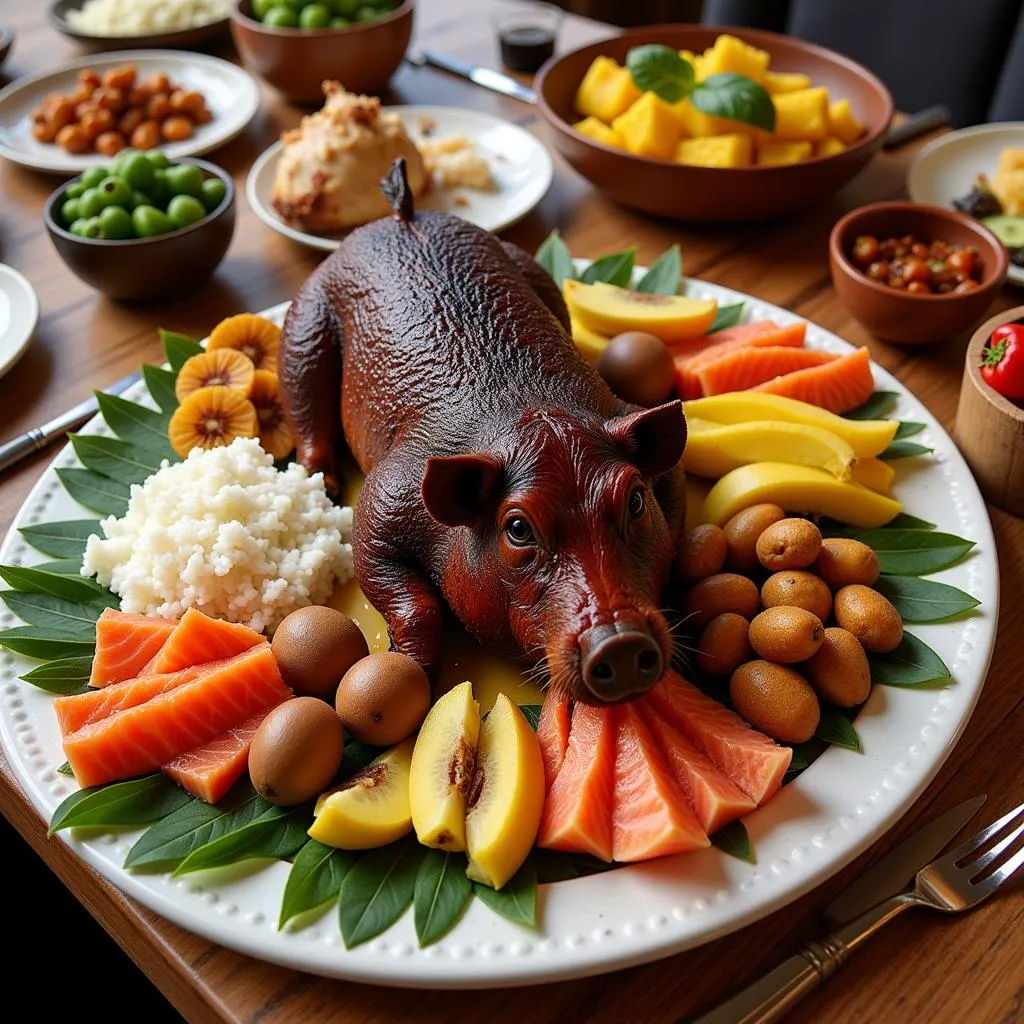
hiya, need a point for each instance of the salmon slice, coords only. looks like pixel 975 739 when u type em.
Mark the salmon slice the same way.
pixel 754 762
pixel 651 816
pixel 762 334
pixel 553 735
pixel 714 797
pixel 200 638
pixel 578 811
pixel 747 367
pixel 838 386
pixel 209 771
pixel 125 644
pixel 141 739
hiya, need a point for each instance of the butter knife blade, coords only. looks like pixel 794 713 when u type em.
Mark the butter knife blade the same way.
pixel 894 872
pixel 488 78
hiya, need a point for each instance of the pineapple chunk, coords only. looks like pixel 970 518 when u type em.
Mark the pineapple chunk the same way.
pixel 829 147
pixel 650 127
pixel 772 154
pixel 699 65
pixel 607 90
pixel 785 81
pixel 719 151
pixel 1009 189
pixel 600 132
pixel 841 122
pixel 732 54
pixel 699 126
pixel 1011 159
pixel 802 115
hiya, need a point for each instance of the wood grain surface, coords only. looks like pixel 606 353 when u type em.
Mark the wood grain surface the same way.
pixel 919 969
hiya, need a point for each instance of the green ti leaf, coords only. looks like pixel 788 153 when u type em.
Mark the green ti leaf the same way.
pixel 178 348
pixel 616 268
pixel 516 900
pixel 108 456
pixel 63 677
pixel 66 619
pixel 919 600
pixel 77 589
pixel 378 890
pixel 665 274
pixel 44 644
pixel 661 70
pixel 915 552
pixel 908 428
pixel 63 567
pixel 726 316
pixel 554 256
pixel 96 492
pixel 904 450
pixel 160 384
pixel 913 663
pixel 835 728
pixel 315 879
pixel 736 98
pixel 440 895
pixel 904 521
pixel 144 428
pixel 130 804
pixel 734 840
pixel 65 539
pixel 165 845
pixel 875 408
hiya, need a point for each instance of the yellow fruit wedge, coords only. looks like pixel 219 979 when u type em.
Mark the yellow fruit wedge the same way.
pixel 609 310
pixel 875 474
pixel 865 437
pixel 369 809
pixel 590 343
pixel 443 763
pixel 797 489
pixel 712 450
pixel 507 796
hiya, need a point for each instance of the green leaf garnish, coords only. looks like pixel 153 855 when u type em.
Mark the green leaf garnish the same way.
pixel 734 840
pixel 378 889
pixel 919 600
pixel 315 879
pixel 736 98
pixel 554 256
pixel 44 644
pixel 660 69
pixel 62 677
pixel 835 728
pixel 875 408
pixel 616 268
pixel 915 552
pixel 77 589
pixel 664 275
pixel 904 521
pixel 129 804
pixel 441 894
pixel 96 492
pixel 166 844
pixel 913 663
pixel 516 900
pixel 178 348
pixel 904 450
pixel 67 619
pixel 137 425
pixel 160 384
pixel 908 428
pixel 65 539
pixel 109 456
pixel 62 567
pixel 726 316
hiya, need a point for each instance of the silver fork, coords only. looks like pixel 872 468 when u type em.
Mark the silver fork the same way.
pixel 954 882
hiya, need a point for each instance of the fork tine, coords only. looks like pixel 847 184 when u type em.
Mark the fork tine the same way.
pixel 989 885
pixel 997 851
pixel 979 839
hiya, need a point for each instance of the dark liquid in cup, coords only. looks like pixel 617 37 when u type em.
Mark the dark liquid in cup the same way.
pixel 525 47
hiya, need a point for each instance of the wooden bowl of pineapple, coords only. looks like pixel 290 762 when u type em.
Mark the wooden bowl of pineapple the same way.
pixel 669 159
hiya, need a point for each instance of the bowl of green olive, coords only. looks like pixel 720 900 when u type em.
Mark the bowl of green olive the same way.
pixel 142 228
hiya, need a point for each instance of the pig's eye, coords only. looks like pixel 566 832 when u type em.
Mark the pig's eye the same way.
pixel 636 503
pixel 519 531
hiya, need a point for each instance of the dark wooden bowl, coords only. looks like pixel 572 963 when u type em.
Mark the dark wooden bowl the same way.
pixel 147 269
pixel 197 38
pixel 685 192
pixel 900 317
pixel 297 61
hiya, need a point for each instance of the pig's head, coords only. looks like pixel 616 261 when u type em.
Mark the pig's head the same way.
pixel 563 547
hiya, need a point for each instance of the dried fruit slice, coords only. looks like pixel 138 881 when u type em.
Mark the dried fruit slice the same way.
pixel 274 435
pixel 209 418
pixel 253 335
pixel 223 367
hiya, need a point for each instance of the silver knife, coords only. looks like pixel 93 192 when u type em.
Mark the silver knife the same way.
pixel 486 77
pixel 34 440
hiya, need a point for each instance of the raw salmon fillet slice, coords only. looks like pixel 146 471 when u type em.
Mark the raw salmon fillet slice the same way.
pixel 578 811
pixel 651 816
pixel 209 771
pixel 141 739
pixel 761 333
pixel 838 386
pixel 553 735
pixel 747 367
pixel 200 638
pixel 125 645
pixel 714 797
pixel 754 762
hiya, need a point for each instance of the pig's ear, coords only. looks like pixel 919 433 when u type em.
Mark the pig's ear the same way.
pixel 461 490
pixel 652 439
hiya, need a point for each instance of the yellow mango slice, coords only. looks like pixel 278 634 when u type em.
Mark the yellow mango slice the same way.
pixel 606 91
pixel 590 343
pixel 719 151
pixel 777 82
pixel 842 124
pixel 1011 159
pixel 865 437
pixel 798 490
pixel 649 128
pixel 875 474
pixel 599 132
pixel 829 147
pixel 699 126
pixel 774 154
pixel 731 54
pixel 802 115
pixel 609 310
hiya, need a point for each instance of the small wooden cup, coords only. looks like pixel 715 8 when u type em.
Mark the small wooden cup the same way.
pixel 989 428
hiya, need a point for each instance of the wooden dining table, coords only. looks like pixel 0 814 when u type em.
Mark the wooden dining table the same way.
pixel 924 967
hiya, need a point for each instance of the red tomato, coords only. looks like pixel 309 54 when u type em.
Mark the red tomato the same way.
pixel 1002 361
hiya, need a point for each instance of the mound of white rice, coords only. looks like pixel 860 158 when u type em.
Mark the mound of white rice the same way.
pixel 227 533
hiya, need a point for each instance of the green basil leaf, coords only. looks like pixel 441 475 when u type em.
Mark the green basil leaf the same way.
pixel 913 663
pixel 726 316
pixel 736 98
pixel 919 600
pixel 616 268
pixel 160 385
pixel 131 804
pixel 142 427
pixel 63 567
pixel 66 618
pixel 734 840
pixel 119 460
pixel 440 895
pixel 65 769
pixel 908 428
pixel 554 256
pixel 165 845
pixel 659 69
pixel 65 539
pixel 44 644
pixel 531 712
pixel 378 889
pixel 96 492
pixel 516 900
pixel 875 408
pixel 78 589
pixel 835 728
pixel 315 879
pixel 915 552
pixel 904 450
pixel 63 677
pixel 665 274
pixel 178 348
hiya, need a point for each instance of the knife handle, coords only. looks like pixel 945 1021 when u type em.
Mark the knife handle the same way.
pixel 19 447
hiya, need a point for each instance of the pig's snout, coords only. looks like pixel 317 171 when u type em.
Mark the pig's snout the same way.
pixel 619 661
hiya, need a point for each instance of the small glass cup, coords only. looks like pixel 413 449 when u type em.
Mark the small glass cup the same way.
pixel 527 31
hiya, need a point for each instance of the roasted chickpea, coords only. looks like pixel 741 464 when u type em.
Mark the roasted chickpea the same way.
pixel 109 98
pixel 159 82
pixel 72 138
pixel 110 143
pixel 202 115
pixel 43 131
pixel 140 96
pixel 176 128
pixel 120 78
pixel 81 92
pixel 129 121
pixel 60 112
pixel 89 77
pixel 146 135
pixel 186 102
pixel 96 122
pixel 158 107
pixel 81 109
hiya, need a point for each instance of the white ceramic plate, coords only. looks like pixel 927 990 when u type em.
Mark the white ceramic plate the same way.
pixel 946 169
pixel 19 314
pixel 811 829
pixel 520 164
pixel 231 94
